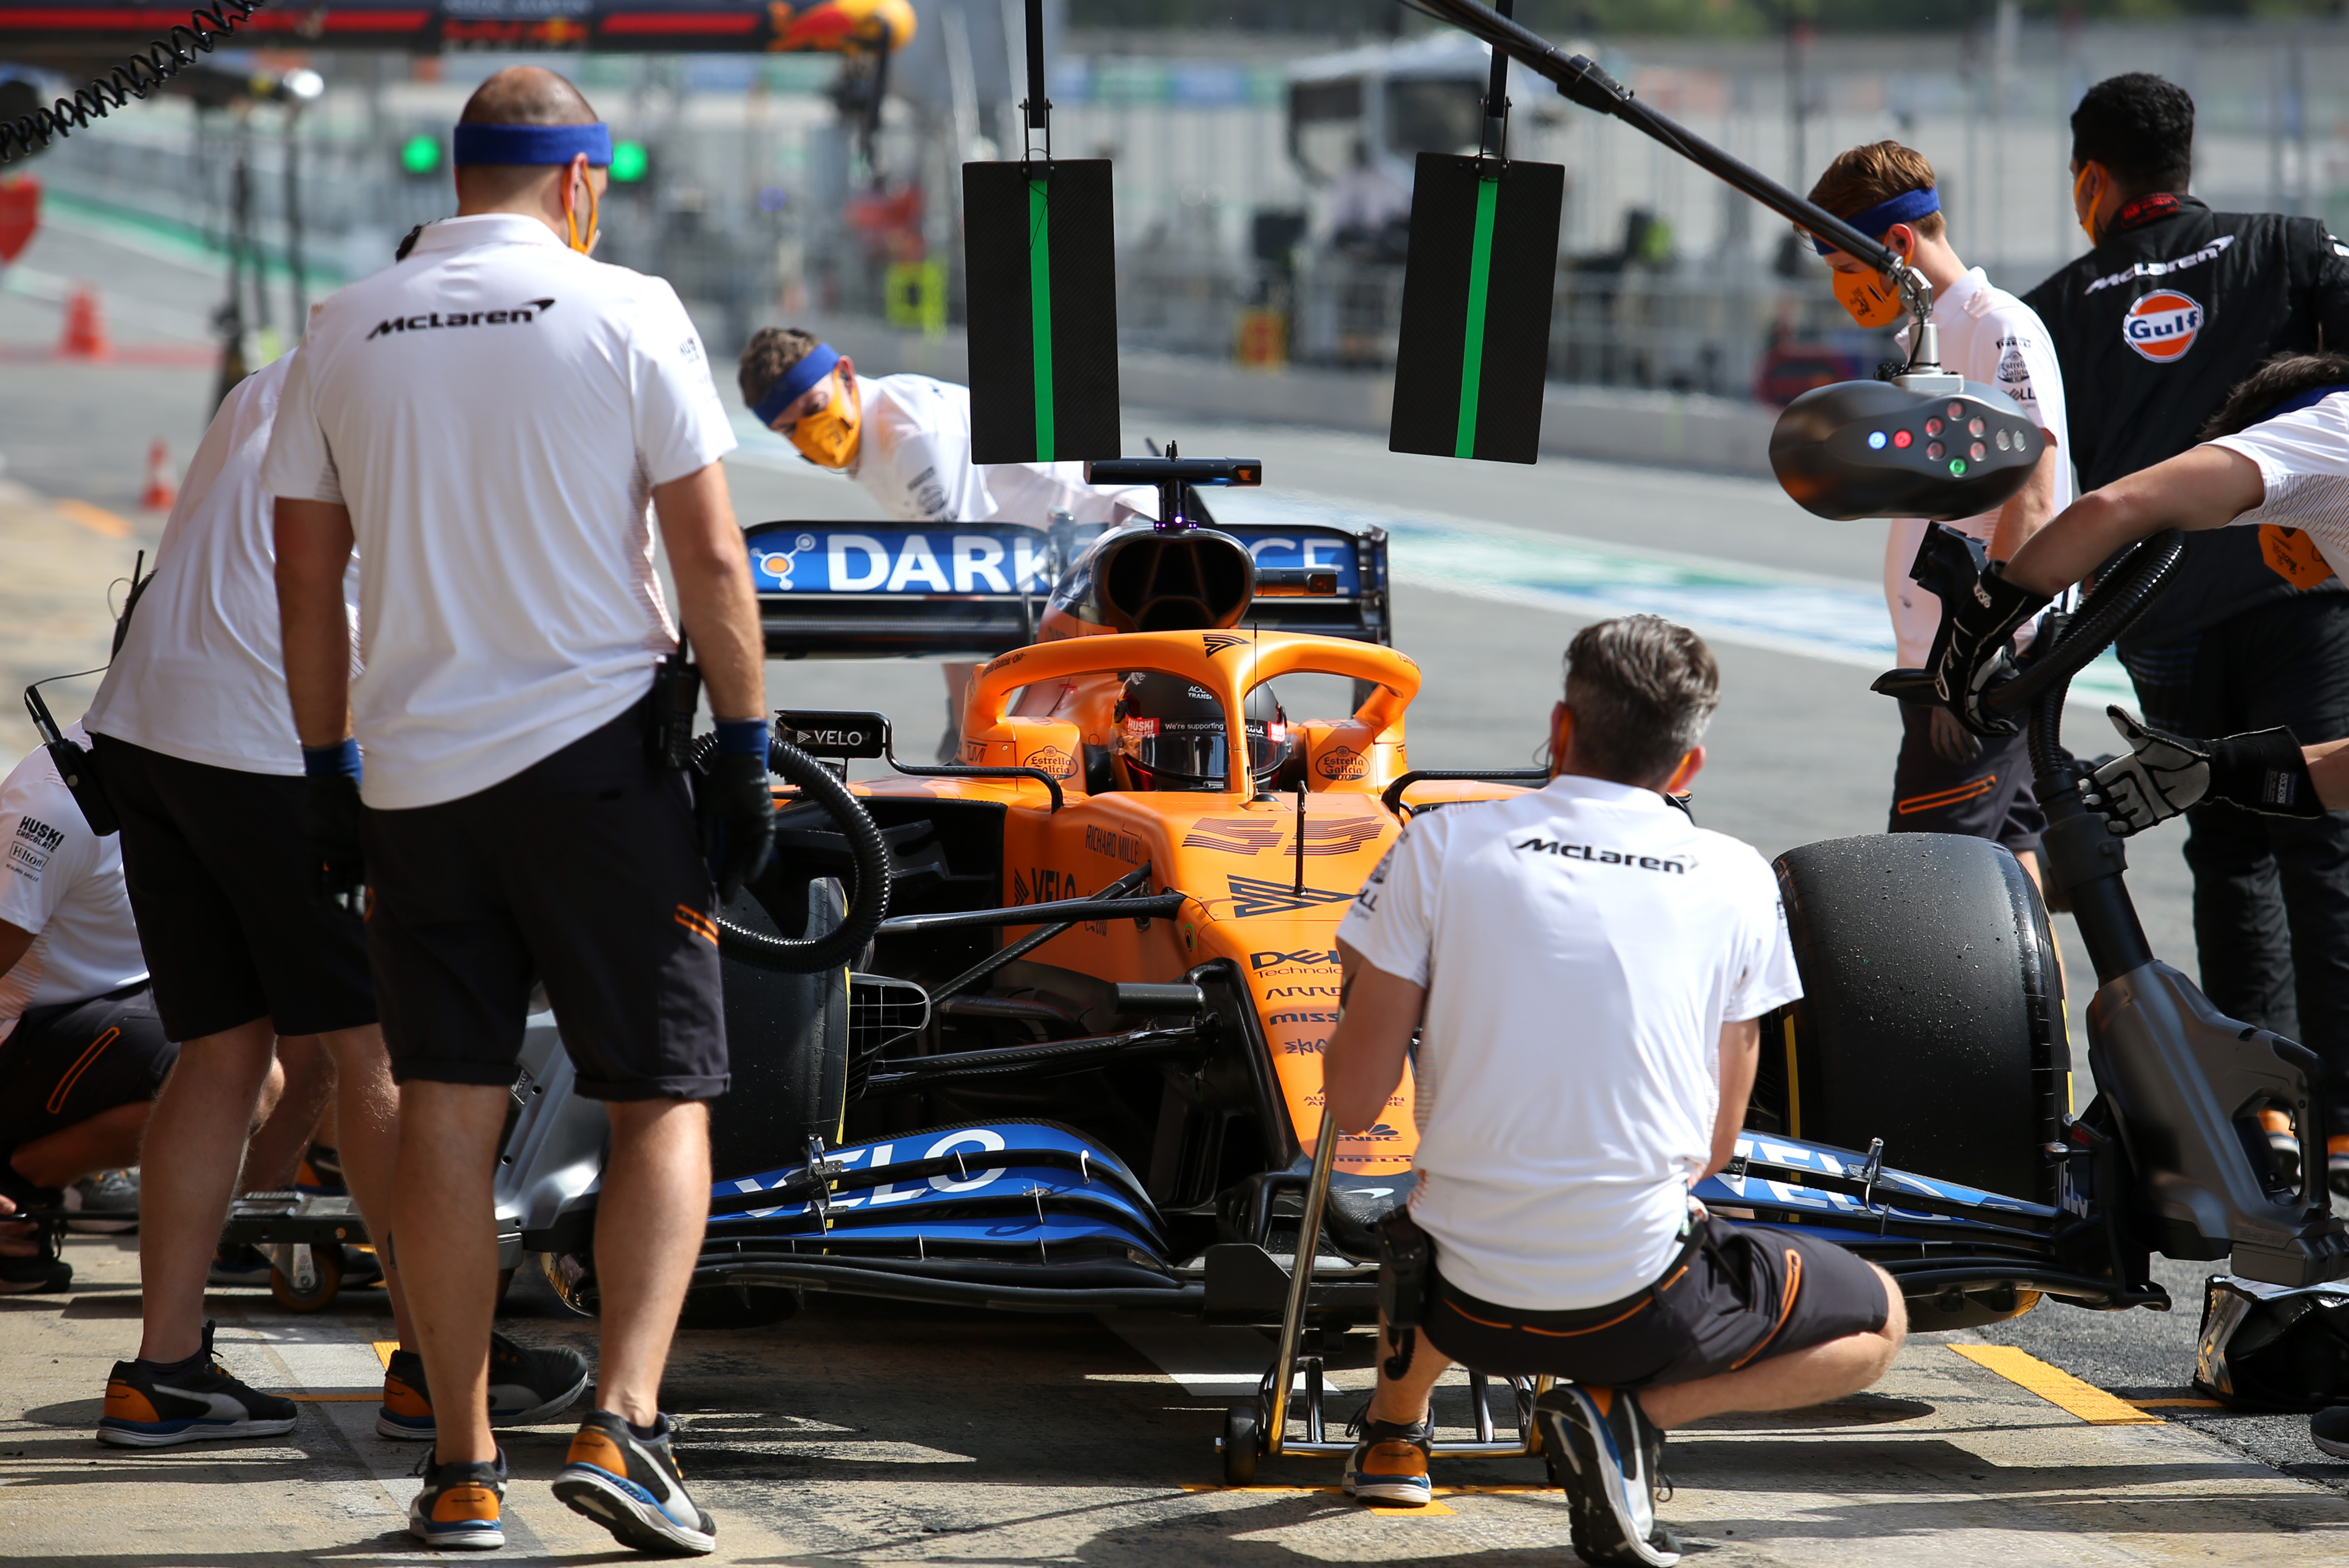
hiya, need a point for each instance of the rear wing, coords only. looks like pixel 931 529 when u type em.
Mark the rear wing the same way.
pixel 972 590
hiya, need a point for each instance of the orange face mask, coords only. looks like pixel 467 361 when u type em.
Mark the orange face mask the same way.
pixel 580 173
pixel 2088 213
pixel 1871 301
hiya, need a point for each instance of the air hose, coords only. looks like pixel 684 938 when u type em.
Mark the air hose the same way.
pixel 136 77
pixel 868 895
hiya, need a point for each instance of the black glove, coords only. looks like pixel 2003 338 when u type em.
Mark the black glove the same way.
pixel 2163 775
pixel 330 826
pixel 1973 654
pixel 1952 741
pixel 735 811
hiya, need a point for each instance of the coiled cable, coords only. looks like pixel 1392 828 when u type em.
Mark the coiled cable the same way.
pixel 134 78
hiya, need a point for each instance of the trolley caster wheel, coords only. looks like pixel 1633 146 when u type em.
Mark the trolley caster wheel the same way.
pixel 1242 1443
pixel 325 1282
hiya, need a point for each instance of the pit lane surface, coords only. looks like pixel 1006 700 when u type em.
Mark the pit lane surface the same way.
pixel 867 1433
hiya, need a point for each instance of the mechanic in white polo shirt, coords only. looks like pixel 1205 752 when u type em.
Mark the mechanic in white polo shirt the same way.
pixel 497 422
pixel 905 440
pixel 2275 457
pixel 1587 969
pixel 196 746
pixel 82 1051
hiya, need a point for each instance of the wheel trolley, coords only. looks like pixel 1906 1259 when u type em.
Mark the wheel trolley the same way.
pixel 303 1235
pixel 1260 1429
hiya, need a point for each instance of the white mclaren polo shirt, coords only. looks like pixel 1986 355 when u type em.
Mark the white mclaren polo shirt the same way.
pixel 2303 458
pixel 914 458
pixel 1581 945
pixel 64 884
pixel 495 412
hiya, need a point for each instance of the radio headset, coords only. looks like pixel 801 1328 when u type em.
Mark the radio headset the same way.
pixel 76 767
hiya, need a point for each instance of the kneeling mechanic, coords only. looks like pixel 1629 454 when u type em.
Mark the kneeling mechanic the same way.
pixel 496 422
pixel 1589 1029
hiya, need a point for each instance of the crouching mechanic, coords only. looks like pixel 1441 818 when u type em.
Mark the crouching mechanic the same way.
pixel 82 1051
pixel 1946 780
pixel 522 815
pixel 905 440
pixel 1559 1143
pixel 2275 457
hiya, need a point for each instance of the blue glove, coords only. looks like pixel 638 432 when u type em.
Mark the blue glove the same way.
pixel 734 807
pixel 330 826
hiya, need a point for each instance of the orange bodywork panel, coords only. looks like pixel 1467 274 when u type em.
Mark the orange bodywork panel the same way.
pixel 1237 855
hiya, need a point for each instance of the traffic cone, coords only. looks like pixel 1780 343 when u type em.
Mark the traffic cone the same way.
pixel 160 493
pixel 84 334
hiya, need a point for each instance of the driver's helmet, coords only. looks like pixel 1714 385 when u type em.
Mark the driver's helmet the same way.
pixel 1171 733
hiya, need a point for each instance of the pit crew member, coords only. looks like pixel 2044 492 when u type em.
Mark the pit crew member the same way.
pixel 2287 471
pixel 2175 305
pixel 496 422
pixel 1587 970
pixel 1946 780
pixel 82 1051
pixel 917 466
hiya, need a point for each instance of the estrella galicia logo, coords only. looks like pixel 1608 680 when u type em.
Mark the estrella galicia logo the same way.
pixel 529 310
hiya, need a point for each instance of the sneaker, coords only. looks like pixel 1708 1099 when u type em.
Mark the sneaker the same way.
pixel 108 1203
pixel 458 1509
pixel 152 1407
pixel 2283 1144
pixel 1390 1464
pixel 631 1487
pixel 2336 1162
pixel 42 1272
pixel 1606 1453
pixel 361 1268
pixel 235 1264
pixel 528 1384
pixel 2329 1431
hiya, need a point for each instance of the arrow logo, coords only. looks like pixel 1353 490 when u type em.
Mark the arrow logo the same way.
pixel 1254 895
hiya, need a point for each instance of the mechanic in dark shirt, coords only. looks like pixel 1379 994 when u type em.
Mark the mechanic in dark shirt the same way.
pixel 2175 305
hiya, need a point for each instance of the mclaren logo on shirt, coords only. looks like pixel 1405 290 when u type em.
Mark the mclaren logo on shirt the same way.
pixel 528 310
pixel 2160 268
pixel 1678 865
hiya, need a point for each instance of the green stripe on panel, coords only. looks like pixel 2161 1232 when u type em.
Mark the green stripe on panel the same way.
pixel 1039 313
pixel 1471 349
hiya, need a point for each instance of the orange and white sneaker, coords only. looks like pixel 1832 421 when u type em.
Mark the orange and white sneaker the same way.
pixel 1390 1464
pixel 459 1508
pixel 629 1483
pixel 153 1404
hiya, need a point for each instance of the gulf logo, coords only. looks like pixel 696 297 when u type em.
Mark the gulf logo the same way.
pixel 2161 326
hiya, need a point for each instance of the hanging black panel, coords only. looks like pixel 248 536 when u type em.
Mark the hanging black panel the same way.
pixel 1043 311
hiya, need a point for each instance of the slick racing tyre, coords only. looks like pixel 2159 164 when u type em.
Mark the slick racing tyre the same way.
pixel 1932 1014
pixel 787 1039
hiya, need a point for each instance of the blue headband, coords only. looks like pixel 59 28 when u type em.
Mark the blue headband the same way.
pixel 1906 208
pixel 797 380
pixel 534 144
pixel 2307 400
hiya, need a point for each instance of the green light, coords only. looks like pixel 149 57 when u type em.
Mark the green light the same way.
pixel 420 154
pixel 1957 467
pixel 628 162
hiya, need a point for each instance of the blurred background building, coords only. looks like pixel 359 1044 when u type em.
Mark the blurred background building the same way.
pixel 1263 153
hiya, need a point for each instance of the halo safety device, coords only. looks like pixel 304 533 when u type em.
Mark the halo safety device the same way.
pixel 1171 735
pixel 829 436
pixel 541 144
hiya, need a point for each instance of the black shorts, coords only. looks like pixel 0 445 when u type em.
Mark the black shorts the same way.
pixel 1737 1296
pixel 580 871
pixel 67 1062
pixel 1990 797
pixel 223 889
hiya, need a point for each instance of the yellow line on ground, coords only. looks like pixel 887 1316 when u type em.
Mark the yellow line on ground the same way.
pixel 383 1349
pixel 2058 1388
pixel 96 519
pixel 1424 1511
